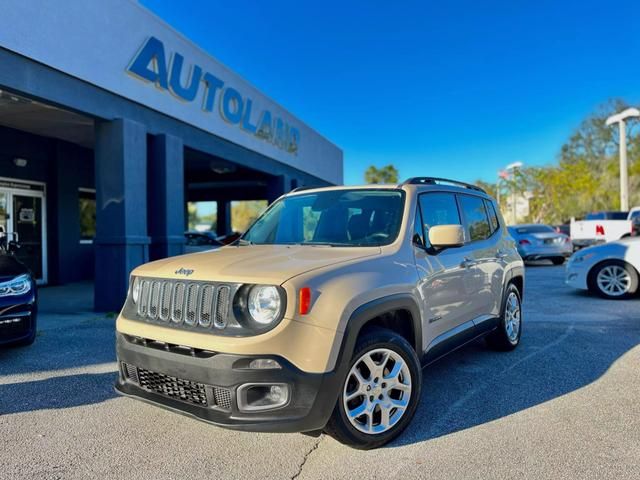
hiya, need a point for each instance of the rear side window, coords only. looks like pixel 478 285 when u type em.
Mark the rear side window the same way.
pixel 493 217
pixel 438 209
pixel 477 222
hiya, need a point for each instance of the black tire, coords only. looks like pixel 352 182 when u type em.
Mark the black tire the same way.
pixel 500 339
pixel 558 261
pixel 339 426
pixel 592 279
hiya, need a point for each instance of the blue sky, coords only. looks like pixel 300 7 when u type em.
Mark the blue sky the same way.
pixel 455 89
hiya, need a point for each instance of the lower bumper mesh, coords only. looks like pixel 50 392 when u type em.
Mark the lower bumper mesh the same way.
pixel 187 391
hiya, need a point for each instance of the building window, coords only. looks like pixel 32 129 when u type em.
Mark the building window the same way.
pixel 202 216
pixel 87 204
pixel 245 212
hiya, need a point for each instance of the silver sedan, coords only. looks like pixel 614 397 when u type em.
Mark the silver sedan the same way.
pixel 541 242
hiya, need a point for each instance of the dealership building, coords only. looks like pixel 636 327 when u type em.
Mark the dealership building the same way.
pixel 111 121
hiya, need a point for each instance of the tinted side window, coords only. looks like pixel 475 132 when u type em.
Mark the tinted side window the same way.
pixel 493 217
pixel 477 223
pixel 438 209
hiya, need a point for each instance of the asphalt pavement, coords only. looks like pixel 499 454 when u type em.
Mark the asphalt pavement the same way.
pixel 565 404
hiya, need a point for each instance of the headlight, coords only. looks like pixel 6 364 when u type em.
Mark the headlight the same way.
pixel 264 304
pixel 135 289
pixel 258 308
pixel 581 258
pixel 18 286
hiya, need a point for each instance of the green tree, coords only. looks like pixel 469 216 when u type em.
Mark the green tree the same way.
pixel 243 213
pixel 386 174
pixel 586 177
pixel 488 187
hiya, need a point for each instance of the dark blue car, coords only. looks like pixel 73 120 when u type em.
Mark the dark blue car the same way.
pixel 18 295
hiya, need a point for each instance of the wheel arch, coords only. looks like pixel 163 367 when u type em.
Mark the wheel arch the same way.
pixel 399 313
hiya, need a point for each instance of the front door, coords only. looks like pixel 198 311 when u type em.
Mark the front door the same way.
pixel 447 279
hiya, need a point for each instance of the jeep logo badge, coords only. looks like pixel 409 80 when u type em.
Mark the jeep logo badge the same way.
pixel 184 271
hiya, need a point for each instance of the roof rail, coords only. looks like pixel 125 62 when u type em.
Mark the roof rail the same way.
pixel 438 181
pixel 305 187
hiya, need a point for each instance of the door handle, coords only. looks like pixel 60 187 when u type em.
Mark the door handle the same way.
pixel 468 262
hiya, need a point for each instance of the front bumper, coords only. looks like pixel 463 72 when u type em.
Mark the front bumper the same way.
pixel 217 377
pixel 576 276
pixel 18 321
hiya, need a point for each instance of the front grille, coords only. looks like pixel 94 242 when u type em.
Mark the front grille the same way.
pixel 187 391
pixel 192 304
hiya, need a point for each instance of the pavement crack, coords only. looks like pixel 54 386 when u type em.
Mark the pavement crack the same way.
pixel 306 457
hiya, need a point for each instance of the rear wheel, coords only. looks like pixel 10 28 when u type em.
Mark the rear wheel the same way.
pixel 614 279
pixel 507 336
pixel 380 393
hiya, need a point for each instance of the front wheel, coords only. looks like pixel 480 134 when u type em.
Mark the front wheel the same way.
pixel 380 394
pixel 613 279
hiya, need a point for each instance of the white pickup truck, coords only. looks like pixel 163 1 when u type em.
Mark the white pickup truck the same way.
pixel 602 227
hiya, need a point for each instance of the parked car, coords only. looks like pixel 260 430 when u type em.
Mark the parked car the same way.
pixel 200 241
pixel 322 316
pixel 565 229
pixel 541 242
pixel 602 227
pixel 610 270
pixel 18 295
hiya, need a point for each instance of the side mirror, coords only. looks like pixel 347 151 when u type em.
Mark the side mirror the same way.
pixel 446 236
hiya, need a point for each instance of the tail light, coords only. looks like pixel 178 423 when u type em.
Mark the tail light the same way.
pixel 524 241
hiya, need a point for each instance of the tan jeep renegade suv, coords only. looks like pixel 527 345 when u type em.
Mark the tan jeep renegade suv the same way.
pixel 321 317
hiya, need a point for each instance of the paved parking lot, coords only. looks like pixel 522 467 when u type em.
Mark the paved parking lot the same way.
pixel 564 405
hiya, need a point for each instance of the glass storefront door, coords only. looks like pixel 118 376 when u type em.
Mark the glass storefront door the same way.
pixel 23 218
pixel 27 224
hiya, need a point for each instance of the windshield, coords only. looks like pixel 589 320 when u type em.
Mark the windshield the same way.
pixel 351 218
pixel 535 229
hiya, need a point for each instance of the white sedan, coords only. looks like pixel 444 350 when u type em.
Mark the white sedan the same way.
pixel 610 270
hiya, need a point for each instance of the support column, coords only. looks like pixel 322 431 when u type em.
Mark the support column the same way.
pixel 121 241
pixel 223 217
pixel 166 197
pixel 277 185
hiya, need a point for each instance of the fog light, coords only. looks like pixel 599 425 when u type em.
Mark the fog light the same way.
pixel 253 397
pixel 264 364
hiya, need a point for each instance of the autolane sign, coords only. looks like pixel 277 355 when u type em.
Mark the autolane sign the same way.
pixel 152 65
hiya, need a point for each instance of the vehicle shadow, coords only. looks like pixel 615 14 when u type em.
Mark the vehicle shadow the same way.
pixel 56 392
pixel 87 342
pixel 475 385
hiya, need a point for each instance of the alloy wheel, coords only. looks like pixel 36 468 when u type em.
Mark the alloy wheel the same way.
pixel 513 317
pixel 614 280
pixel 377 391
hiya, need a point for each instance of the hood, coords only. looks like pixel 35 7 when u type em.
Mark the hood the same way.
pixel 270 264
pixel 618 246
